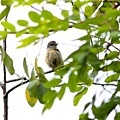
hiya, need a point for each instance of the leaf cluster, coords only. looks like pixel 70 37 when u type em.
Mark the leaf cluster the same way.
pixel 101 22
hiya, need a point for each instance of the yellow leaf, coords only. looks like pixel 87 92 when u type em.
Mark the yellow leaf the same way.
pixel 30 99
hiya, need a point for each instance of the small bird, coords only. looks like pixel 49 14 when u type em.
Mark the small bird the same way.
pixel 53 55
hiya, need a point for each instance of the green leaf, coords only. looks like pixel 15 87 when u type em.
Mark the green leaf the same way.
pixel 89 11
pixel 113 66
pixel 94 73
pixel 63 25
pixel 117 89
pixel 63 71
pixel 94 61
pixel 22 22
pixel 61 92
pixel 33 84
pixel 30 99
pixel 115 36
pixel 48 105
pixel 112 55
pixel 41 91
pixel 53 83
pixel 105 109
pixel 113 12
pixel 52 1
pixel 86 37
pixel 4 12
pixel 49 97
pixel 33 77
pixel 34 16
pixel 72 83
pixel 74 17
pixel 83 75
pixel 2 53
pixel 8 62
pixel 40 72
pixel 7 2
pixel 82 25
pixel 84 117
pixel 28 2
pixel 117 116
pixel 78 3
pixel 3 35
pixel 25 67
pixel 80 54
pixel 87 105
pixel 112 78
pixel 47 15
pixel 28 41
pixel 65 13
pixel 40 29
pixel 8 26
pixel 41 75
pixel 79 95
pixel 114 25
pixel 37 90
pixel 19 33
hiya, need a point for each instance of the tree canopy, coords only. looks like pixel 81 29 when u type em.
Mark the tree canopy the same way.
pixel 98 55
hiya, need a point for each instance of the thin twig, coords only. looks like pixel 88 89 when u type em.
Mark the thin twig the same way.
pixel 111 44
pixel 40 47
pixel 24 78
pixel 35 8
pixel 26 81
pixel 50 71
pixel 16 86
pixel 22 83
pixel 17 79
pixel 105 84
pixel 107 90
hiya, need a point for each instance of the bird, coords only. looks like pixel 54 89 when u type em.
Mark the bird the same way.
pixel 53 55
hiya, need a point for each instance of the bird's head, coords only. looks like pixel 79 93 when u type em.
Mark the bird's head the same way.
pixel 52 45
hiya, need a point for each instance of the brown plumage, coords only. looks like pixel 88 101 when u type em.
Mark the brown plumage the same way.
pixel 53 55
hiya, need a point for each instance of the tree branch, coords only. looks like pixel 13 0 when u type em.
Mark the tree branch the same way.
pixel 104 84
pixel 5 99
pixel 17 79
pixel 16 86
pixel 111 44
pixel 22 83
pixel 35 8
pixel 24 78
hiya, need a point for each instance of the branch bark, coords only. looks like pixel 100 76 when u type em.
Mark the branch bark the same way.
pixel 22 83
pixel 104 84
pixel 5 98
pixel 15 80
pixel 26 81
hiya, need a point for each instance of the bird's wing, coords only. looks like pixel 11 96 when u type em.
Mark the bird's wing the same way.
pixel 53 58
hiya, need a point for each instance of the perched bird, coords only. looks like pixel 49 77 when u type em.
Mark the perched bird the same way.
pixel 53 56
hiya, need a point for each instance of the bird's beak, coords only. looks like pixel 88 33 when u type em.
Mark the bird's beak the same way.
pixel 56 44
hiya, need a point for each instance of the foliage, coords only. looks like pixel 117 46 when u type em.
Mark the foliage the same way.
pixel 101 23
